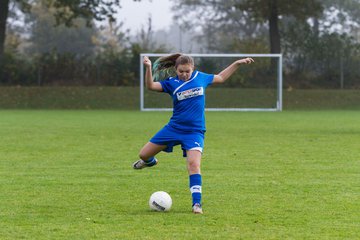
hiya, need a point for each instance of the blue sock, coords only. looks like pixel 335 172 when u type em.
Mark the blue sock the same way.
pixel 195 188
pixel 151 161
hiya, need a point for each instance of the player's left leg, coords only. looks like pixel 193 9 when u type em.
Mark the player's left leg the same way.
pixel 193 165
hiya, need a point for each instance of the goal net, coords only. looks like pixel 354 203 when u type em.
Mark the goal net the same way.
pixel 253 87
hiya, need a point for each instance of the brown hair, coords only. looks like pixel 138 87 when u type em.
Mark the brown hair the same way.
pixel 166 66
pixel 184 59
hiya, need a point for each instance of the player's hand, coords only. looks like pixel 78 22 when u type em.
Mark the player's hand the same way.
pixel 147 62
pixel 246 61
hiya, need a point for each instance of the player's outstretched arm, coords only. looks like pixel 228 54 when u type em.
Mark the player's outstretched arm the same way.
pixel 149 81
pixel 228 71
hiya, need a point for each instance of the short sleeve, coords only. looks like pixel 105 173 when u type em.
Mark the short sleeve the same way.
pixel 165 84
pixel 207 78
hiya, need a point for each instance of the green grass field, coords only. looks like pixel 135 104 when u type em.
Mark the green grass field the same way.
pixel 278 175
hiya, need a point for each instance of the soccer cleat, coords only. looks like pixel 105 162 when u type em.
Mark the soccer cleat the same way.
pixel 197 209
pixel 140 164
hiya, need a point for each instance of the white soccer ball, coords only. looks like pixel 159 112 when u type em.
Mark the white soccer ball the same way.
pixel 160 201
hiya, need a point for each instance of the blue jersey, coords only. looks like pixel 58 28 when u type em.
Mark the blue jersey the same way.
pixel 188 100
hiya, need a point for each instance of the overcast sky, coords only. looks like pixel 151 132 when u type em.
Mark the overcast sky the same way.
pixel 135 14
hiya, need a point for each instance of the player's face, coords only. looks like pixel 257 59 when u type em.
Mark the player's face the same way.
pixel 184 71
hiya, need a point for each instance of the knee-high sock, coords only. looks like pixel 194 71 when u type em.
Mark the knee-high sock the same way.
pixel 195 188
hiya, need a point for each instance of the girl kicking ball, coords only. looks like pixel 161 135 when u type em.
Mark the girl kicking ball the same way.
pixel 186 127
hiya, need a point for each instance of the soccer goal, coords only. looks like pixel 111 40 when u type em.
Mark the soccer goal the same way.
pixel 253 87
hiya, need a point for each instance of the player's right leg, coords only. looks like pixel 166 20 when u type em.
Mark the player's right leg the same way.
pixel 147 155
pixel 195 179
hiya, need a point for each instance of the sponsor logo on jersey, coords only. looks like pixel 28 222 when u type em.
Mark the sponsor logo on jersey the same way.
pixel 190 93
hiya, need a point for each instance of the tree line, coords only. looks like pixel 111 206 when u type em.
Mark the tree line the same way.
pixel 79 42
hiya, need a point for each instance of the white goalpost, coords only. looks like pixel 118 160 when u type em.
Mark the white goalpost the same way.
pixel 257 88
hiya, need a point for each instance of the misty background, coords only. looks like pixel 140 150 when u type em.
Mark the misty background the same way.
pixel 62 43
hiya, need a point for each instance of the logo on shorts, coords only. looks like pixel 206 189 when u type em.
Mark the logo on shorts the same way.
pixel 197 144
pixel 190 93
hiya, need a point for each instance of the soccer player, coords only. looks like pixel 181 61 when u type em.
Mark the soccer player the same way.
pixel 187 124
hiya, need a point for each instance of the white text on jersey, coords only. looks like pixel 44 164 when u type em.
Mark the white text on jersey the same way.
pixel 190 93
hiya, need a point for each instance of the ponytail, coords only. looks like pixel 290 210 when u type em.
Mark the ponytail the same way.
pixel 164 67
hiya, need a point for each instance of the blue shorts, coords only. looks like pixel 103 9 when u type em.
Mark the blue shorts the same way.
pixel 171 137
